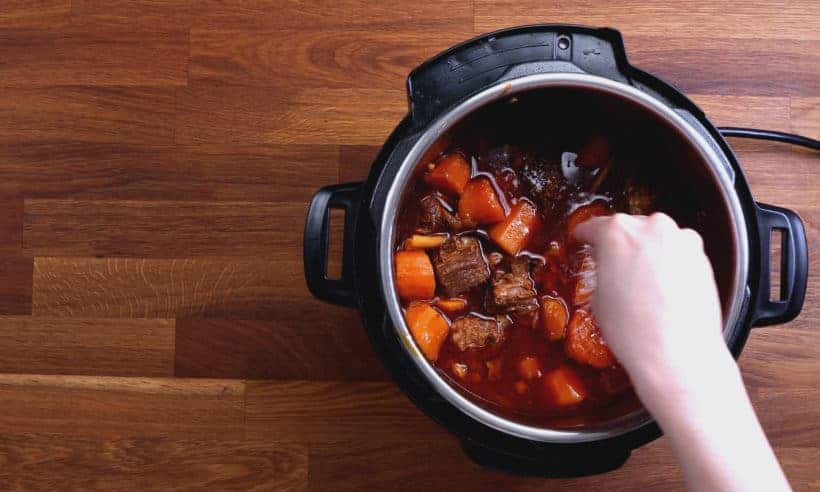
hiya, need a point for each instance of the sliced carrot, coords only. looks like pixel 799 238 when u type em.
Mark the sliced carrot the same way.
pixel 513 232
pixel 554 317
pixel 415 279
pixel 565 386
pixel 479 203
pixel 584 343
pixel 529 367
pixel 422 241
pixel 453 305
pixel 584 213
pixel 428 327
pixel 450 175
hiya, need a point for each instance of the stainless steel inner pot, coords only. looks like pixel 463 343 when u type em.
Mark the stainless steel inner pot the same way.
pixel 708 151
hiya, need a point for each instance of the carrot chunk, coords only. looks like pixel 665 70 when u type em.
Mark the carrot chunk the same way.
pixel 479 203
pixel 422 241
pixel 450 175
pixel 529 368
pixel 513 232
pixel 453 305
pixel 415 279
pixel 584 343
pixel 428 327
pixel 584 213
pixel 554 317
pixel 565 386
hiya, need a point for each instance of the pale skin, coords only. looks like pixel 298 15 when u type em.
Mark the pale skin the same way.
pixel 671 345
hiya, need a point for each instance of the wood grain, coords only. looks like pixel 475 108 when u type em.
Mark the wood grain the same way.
pixel 158 229
pixel 335 347
pixel 289 59
pixel 157 158
pixel 164 288
pixel 313 411
pixel 87 114
pixel 701 21
pixel 77 170
pixel 121 347
pixel 33 461
pixel 110 407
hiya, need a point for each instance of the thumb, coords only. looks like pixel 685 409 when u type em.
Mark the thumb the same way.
pixel 589 231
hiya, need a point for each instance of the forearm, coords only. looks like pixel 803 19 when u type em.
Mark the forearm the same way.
pixel 707 415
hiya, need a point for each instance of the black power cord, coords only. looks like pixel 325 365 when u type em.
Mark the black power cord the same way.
pixel 770 135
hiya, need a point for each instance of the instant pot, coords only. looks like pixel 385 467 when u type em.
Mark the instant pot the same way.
pixel 447 89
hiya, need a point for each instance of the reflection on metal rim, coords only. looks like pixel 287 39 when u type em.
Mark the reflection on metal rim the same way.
pixel 706 149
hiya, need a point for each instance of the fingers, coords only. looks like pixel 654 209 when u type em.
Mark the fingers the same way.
pixel 589 231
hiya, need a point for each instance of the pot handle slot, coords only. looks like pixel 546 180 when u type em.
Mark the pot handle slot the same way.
pixel 794 266
pixel 341 290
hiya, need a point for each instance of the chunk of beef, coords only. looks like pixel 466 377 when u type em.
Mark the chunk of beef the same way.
pixel 460 265
pixel 472 331
pixel 435 217
pixel 544 183
pixel 584 343
pixel 512 292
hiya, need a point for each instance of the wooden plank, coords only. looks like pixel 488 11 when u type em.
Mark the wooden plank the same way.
pixel 771 113
pixel 145 172
pixel 167 288
pixel 355 161
pixel 123 115
pixel 780 356
pixel 325 342
pixel 784 411
pixel 316 411
pixel 28 14
pixel 11 220
pixel 257 115
pixel 762 68
pixel 41 462
pixel 806 115
pixel 15 286
pixel 126 347
pixel 699 20
pixel 323 59
pixel 92 58
pixel 138 16
pixel 344 14
pixel 159 229
pixel 109 407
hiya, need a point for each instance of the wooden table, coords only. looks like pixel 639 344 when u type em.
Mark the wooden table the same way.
pixel 156 160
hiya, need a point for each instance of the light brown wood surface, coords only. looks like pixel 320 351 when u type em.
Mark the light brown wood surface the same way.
pixel 156 161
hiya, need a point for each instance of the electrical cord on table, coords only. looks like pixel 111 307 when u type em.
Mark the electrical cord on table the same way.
pixel 770 135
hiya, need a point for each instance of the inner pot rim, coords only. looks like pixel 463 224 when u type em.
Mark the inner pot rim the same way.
pixel 720 173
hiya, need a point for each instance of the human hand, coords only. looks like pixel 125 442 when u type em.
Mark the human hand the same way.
pixel 656 300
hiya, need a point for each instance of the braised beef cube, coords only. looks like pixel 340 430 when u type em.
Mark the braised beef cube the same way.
pixel 496 159
pixel 544 183
pixel 460 265
pixel 640 199
pixel 435 217
pixel 512 292
pixel 472 331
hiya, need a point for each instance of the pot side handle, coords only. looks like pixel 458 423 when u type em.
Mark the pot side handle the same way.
pixel 339 291
pixel 794 266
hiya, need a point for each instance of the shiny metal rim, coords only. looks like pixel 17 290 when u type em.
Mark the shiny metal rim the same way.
pixel 719 169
